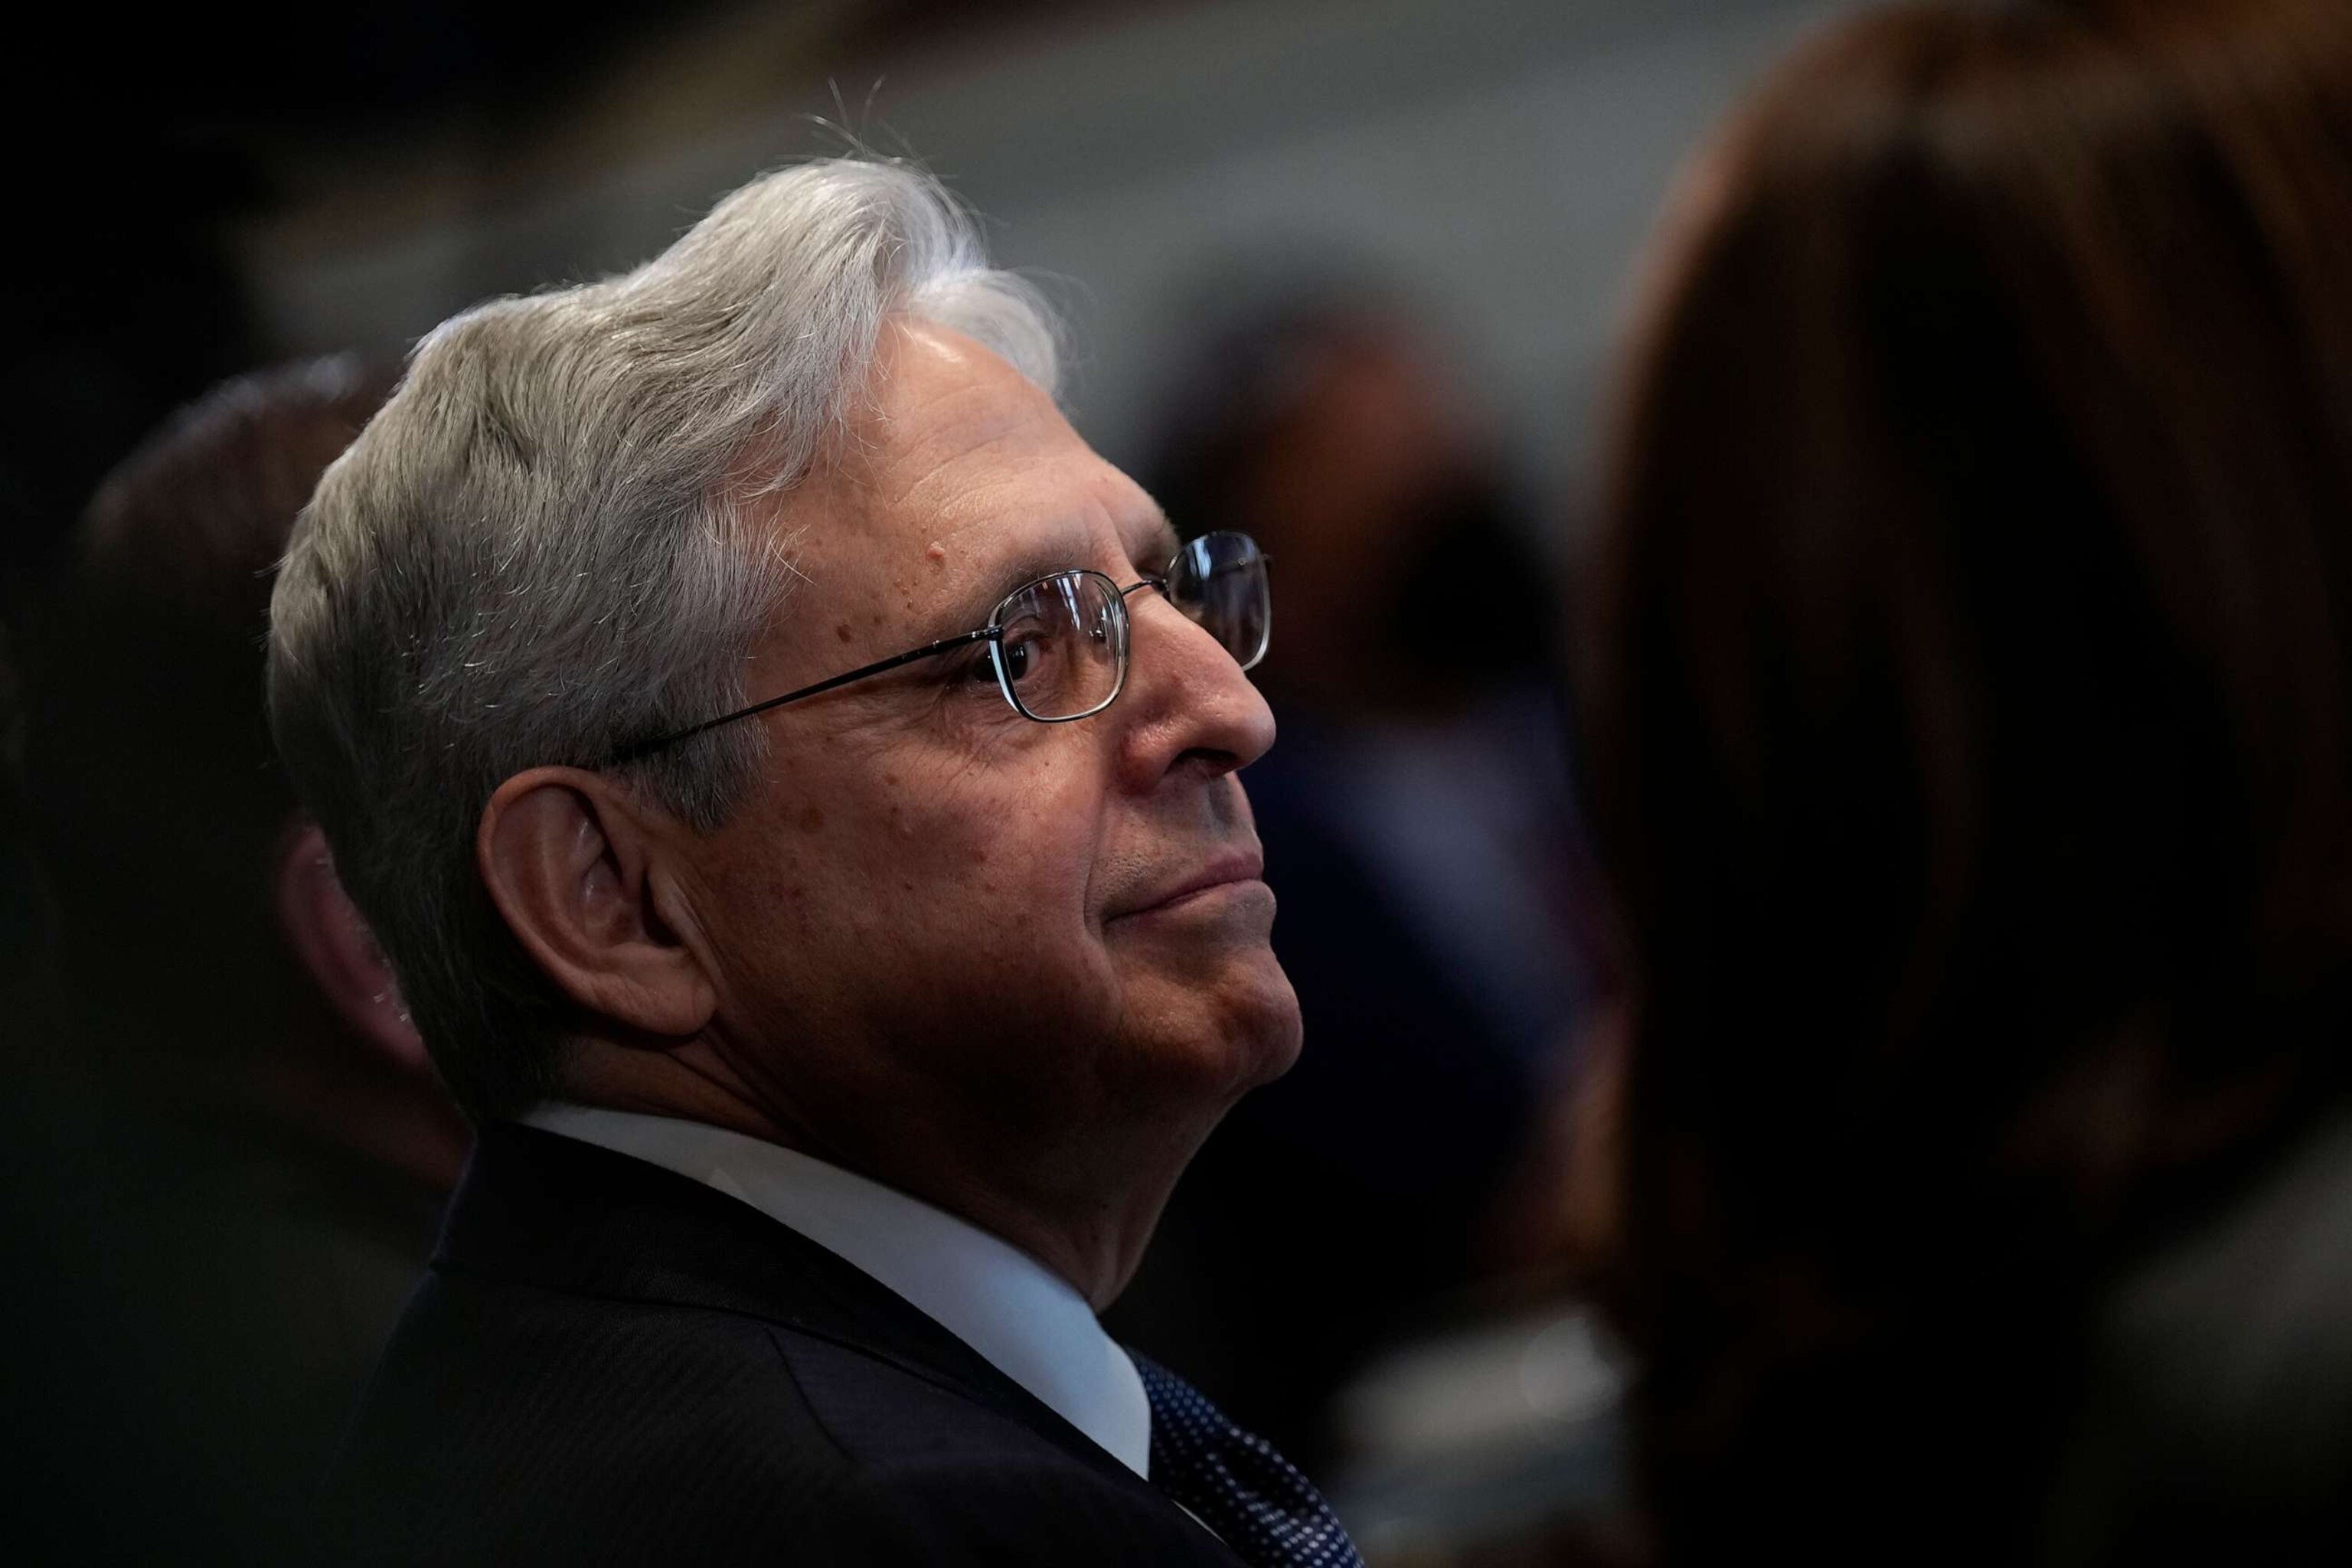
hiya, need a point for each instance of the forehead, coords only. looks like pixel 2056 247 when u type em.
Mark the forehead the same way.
pixel 959 476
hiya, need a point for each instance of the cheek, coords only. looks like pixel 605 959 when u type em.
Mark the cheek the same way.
pixel 983 939
pixel 955 858
pixel 1023 850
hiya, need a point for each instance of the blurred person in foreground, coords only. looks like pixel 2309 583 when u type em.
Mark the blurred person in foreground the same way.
pixel 1417 819
pixel 258 1146
pixel 1974 754
pixel 793 780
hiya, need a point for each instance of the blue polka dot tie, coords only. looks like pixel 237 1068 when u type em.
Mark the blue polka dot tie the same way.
pixel 1237 1484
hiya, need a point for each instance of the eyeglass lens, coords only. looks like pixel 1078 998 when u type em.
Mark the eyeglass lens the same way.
pixel 1064 647
pixel 1219 580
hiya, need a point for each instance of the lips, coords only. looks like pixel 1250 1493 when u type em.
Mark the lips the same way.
pixel 1239 866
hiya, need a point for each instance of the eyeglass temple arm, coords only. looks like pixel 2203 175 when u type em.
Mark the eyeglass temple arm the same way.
pixel 640 749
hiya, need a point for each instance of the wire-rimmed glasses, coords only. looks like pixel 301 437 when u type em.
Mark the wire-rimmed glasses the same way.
pixel 1057 647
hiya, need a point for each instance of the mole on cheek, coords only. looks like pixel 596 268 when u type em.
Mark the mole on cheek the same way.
pixel 842 631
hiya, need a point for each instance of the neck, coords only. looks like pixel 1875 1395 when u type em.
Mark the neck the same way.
pixel 1085 1213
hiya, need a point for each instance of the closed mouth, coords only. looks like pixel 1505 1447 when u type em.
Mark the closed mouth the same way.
pixel 1221 873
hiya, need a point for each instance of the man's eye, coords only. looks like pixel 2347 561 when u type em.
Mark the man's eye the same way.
pixel 1022 655
pixel 1020 658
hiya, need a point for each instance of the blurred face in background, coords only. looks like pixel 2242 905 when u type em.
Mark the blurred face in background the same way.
pixel 1362 465
pixel 1335 491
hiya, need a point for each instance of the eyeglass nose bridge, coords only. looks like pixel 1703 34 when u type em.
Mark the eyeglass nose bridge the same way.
pixel 1164 583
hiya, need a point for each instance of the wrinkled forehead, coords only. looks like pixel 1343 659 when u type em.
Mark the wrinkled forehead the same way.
pixel 960 481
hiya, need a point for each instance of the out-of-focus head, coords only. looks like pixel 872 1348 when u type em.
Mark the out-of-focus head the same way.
pixel 185 874
pixel 1328 425
pixel 1974 736
pixel 816 433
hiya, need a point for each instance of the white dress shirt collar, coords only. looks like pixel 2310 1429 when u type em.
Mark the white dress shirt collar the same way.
pixel 1026 1321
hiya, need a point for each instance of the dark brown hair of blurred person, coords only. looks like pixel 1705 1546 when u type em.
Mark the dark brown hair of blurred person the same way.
pixel 1972 740
pixel 266 1147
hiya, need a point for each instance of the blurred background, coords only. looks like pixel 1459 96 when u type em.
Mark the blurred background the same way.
pixel 1344 273
pixel 266 183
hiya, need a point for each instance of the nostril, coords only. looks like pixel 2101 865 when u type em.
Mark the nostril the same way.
pixel 1210 762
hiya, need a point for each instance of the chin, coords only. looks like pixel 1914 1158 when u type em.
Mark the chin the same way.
pixel 1256 1018
pixel 1278 1026
pixel 1212 1035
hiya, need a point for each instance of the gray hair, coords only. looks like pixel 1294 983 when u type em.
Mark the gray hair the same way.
pixel 540 551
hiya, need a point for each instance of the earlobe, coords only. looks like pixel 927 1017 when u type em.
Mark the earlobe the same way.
pixel 572 868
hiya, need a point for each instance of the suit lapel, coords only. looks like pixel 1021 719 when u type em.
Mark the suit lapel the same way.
pixel 538 1208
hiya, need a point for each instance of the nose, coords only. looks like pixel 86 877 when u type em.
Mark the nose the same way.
pixel 1189 705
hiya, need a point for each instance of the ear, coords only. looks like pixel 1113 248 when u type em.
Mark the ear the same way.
pixel 582 882
pixel 332 939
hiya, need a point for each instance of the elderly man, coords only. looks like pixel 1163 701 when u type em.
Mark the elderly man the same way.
pixel 793 779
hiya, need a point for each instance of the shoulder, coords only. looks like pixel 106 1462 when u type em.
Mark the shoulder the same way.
pixel 2218 1408
pixel 513 1424
pixel 932 1476
pixel 2239 1328
pixel 509 1422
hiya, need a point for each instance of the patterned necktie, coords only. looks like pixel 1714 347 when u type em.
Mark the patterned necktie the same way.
pixel 1237 1484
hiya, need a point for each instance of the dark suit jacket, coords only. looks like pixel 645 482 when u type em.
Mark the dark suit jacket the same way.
pixel 610 1362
